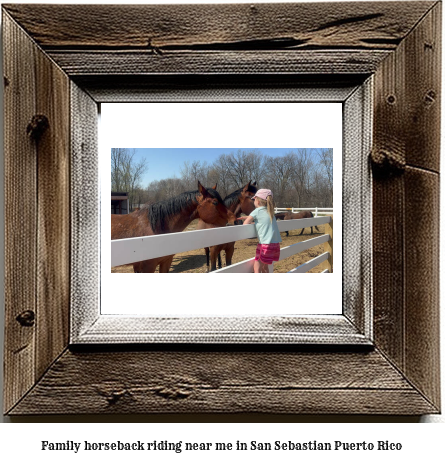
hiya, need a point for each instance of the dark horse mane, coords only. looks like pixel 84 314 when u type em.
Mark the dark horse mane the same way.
pixel 159 212
pixel 233 197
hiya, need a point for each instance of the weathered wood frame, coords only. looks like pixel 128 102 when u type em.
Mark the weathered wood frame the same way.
pixel 75 56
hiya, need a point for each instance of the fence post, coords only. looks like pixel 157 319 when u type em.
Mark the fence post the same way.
pixel 329 245
pixel 316 212
pixel 270 268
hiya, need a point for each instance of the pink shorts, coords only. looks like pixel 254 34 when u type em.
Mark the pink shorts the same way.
pixel 268 253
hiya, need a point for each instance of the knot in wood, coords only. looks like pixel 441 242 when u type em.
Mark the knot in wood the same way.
pixel 26 318
pixel 387 162
pixel 172 393
pixel 37 126
pixel 114 397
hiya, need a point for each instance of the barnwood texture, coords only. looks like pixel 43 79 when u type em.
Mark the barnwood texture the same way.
pixel 185 381
pixel 218 27
pixel 107 48
pixel 37 216
pixel 20 214
pixel 53 194
pixel 118 40
pixel 406 205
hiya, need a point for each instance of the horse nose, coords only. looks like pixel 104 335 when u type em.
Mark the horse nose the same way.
pixel 236 223
pixel 231 219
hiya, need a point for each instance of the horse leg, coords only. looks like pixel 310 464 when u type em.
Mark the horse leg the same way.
pixel 287 233
pixel 207 250
pixel 230 249
pixel 219 261
pixel 301 232
pixel 146 266
pixel 213 254
pixel 164 265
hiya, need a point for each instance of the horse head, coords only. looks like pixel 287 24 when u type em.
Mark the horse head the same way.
pixel 211 208
pixel 246 203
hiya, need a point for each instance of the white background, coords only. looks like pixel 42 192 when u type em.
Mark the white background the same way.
pixel 21 442
pixel 219 125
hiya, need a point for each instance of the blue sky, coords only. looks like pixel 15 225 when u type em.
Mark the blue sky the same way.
pixel 165 163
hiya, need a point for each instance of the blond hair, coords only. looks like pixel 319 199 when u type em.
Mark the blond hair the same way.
pixel 269 203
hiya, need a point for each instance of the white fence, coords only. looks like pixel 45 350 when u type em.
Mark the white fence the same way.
pixel 124 251
pixel 316 210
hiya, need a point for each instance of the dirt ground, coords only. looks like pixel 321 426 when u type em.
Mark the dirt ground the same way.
pixel 194 261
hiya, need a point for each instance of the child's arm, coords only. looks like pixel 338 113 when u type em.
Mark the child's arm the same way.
pixel 248 220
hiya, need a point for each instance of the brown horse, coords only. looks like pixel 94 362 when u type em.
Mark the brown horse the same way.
pixel 296 216
pixel 239 201
pixel 171 216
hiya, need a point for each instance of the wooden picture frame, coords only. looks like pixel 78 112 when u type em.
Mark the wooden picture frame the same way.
pixel 59 68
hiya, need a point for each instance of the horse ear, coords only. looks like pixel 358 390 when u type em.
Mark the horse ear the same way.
pixel 202 190
pixel 214 187
pixel 254 184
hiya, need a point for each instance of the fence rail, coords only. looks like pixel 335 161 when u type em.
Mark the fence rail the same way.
pixel 316 210
pixel 246 266
pixel 131 250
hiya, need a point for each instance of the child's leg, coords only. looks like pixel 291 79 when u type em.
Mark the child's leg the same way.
pixel 264 268
pixel 257 266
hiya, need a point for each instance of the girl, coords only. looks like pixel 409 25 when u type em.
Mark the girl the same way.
pixel 268 250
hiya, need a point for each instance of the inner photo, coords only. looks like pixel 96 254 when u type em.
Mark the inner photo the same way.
pixel 220 192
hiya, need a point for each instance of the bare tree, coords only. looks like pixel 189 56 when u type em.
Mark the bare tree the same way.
pixel 126 172
pixel 278 177
pixel 194 171
pixel 237 169
pixel 327 162
pixel 302 176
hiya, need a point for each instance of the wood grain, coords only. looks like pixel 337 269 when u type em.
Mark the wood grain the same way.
pixel 53 228
pixel 20 213
pixel 389 143
pixel 423 92
pixel 422 281
pixel 406 133
pixel 253 39
pixel 130 63
pixel 348 25
pixel 223 382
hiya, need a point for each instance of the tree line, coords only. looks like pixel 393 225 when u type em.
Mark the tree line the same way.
pixel 300 178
